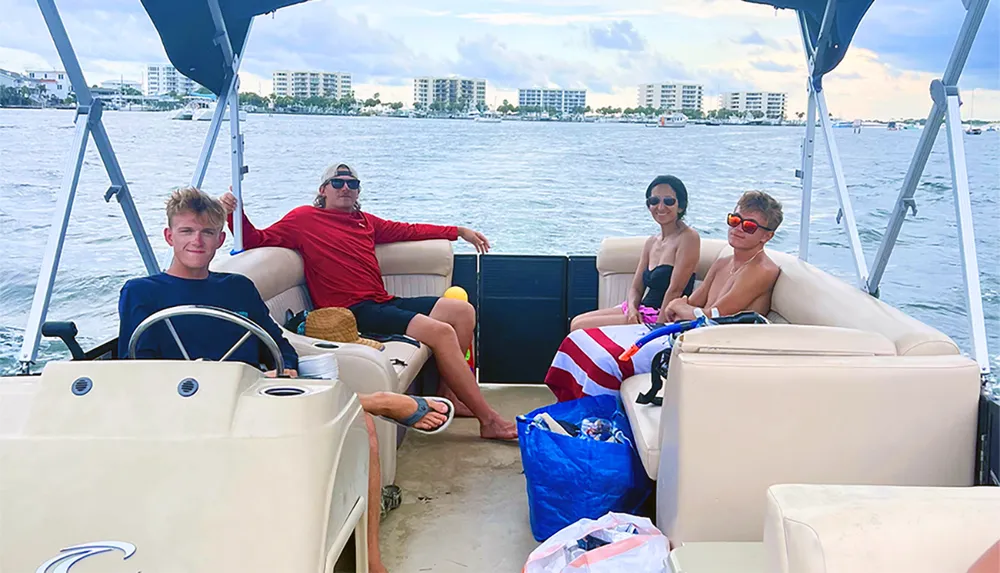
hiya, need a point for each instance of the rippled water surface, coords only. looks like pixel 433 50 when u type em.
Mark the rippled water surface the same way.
pixel 532 188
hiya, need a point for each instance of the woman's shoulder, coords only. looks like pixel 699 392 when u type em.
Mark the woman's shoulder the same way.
pixel 690 234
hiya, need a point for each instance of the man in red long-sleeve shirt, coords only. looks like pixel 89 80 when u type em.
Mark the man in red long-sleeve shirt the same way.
pixel 337 243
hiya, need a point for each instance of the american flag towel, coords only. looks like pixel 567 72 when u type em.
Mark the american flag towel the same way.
pixel 587 363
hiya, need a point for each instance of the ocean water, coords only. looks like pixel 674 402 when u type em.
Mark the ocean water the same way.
pixel 531 187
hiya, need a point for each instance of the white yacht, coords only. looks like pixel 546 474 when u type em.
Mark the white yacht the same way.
pixel 185 113
pixel 672 120
pixel 844 435
pixel 205 114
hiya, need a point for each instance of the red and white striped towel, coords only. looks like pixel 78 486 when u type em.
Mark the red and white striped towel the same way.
pixel 587 363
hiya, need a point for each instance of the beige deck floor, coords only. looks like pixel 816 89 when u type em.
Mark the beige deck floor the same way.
pixel 464 505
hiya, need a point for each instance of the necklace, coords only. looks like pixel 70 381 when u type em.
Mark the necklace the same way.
pixel 734 271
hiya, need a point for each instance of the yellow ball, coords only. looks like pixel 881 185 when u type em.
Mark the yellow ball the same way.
pixel 456 292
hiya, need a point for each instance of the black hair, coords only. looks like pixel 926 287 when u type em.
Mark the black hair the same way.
pixel 679 189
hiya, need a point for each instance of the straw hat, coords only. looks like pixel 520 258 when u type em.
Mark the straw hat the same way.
pixel 336 325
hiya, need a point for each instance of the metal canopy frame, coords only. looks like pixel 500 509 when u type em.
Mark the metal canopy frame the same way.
pixel 946 102
pixel 89 123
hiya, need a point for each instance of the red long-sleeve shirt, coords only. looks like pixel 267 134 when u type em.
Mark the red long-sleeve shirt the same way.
pixel 338 249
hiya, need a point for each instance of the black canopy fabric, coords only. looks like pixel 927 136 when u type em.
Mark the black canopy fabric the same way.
pixel 831 48
pixel 187 32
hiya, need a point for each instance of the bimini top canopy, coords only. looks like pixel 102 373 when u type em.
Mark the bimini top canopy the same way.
pixel 830 48
pixel 188 33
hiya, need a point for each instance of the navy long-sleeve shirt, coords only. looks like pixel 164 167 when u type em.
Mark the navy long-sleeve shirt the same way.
pixel 203 337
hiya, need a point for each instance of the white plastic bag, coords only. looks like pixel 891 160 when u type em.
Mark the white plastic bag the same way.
pixel 637 546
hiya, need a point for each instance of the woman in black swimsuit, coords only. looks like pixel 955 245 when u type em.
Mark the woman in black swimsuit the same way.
pixel 666 267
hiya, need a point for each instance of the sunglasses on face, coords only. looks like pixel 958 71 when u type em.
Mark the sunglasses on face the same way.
pixel 667 201
pixel 749 226
pixel 352 184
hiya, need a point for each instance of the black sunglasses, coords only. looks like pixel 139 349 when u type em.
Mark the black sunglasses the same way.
pixel 654 201
pixel 352 184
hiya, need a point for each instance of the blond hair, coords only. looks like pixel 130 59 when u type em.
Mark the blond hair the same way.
pixel 193 200
pixel 769 206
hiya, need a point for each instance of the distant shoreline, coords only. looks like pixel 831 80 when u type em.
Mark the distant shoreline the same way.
pixel 787 123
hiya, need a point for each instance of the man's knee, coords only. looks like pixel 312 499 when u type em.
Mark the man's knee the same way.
pixel 453 311
pixel 438 333
pixel 575 323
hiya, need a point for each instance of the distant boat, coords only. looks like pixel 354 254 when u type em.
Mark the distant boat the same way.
pixel 974 131
pixel 673 120
pixel 205 114
pixel 713 122
pixel 185 113
pixel 892 126
pixel 488 117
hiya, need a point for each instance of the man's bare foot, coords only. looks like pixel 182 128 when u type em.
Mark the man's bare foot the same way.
pixel 400 406
pixel 498 429
pixel 461 410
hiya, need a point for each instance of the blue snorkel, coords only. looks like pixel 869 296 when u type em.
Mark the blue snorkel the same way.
pixel 745 317
pixel 666 330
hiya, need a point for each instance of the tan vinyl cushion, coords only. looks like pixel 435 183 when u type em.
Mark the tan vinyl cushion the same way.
pixel 786 340
pixel 432 257
pixel 803 294
pixel 734 424
pixel 644 420
pixel 873 529
pixel 772 339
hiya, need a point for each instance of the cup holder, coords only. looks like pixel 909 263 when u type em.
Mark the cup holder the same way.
pixel 283 391
pixel 328 345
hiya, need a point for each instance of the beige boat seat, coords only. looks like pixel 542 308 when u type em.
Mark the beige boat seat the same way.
pixel 416 268
pixel 843 388
pixel 817 528
pixel 871 529
pixel 228 475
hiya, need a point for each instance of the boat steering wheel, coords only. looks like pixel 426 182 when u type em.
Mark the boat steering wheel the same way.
pixel 212 312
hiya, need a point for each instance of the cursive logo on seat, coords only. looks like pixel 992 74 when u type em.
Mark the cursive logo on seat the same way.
pixel 72 555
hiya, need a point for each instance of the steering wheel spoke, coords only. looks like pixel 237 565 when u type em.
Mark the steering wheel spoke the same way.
pixel 235 346
pixel 177 339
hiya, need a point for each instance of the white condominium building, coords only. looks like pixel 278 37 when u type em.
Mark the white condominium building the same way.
pixel 427 91
pixel 671 96
pixel 305 84
pixel 771 104
pixel 163 79
pixel 564 101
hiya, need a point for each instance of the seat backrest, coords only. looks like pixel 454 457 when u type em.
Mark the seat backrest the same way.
pixel 803 294
pixel 413 268
pixel 618 259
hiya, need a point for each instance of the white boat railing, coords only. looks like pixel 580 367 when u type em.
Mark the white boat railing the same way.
pixel 946 101
pixel 88 123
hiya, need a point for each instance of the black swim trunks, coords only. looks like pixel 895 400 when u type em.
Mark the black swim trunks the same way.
pixel 392 317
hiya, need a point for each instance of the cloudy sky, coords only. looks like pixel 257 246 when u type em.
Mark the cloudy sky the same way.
pixel 605 46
